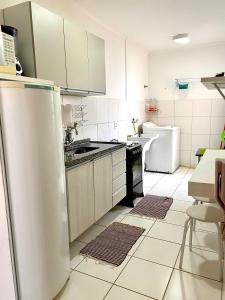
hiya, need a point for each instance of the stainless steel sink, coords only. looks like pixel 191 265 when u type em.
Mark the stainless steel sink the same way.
pixel 84 150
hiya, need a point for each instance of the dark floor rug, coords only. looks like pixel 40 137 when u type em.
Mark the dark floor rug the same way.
pixel 114 243
pixel 153 206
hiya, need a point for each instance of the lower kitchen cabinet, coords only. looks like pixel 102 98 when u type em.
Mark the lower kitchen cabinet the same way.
pixel 80 196
pixel 93 188
pixel 103 186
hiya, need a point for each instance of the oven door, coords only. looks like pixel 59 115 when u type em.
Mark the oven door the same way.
pixel 137 167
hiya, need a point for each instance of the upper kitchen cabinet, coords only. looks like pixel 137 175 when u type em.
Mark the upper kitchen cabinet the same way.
pixel 137 72
pixel 1 17
pixel 40 41
pixel 85 60
pixel 96 57
pixel 77 65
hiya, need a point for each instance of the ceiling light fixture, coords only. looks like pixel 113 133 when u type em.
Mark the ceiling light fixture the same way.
pixel 181 38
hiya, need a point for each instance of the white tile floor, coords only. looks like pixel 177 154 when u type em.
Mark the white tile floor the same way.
pixel 150 270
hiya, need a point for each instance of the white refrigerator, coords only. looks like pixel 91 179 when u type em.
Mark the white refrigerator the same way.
pixel 32 161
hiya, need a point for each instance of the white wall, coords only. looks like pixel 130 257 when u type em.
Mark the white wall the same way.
pixel 185 62
pixel 199 112
pixel 136 71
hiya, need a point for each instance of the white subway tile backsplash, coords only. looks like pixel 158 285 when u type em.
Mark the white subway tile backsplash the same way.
pixel 165 121
pixel 113 131
pixel 166 108
pixel 113 110
pixel 124 129
pixel 185 124
pixel 103 132
pixel 217 125
pixel 123 110
pixel 185 142
pixel 105 119
pixel 214 141
pixel 136 109
pixel 185 158
pixel 199 141
pixel 90 110
pixel 183 108
pixel 201 125
pixel 202 107
pixel 218 108
pixel 90 131
pixel 200 118
pixel 102 110
pixel 194 159
pixel 153 118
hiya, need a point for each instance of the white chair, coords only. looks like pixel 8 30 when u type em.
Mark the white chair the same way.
pixel 201 200
pixel 210 214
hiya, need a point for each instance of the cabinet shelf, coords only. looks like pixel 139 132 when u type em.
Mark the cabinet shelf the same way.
pixel 213 83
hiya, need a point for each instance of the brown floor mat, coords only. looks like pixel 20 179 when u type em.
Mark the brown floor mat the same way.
pixel 153 206
pixel 114 243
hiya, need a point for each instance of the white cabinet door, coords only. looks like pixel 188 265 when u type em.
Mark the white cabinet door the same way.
pixel 48 45
pixel 103 186
pixel 76 56
pixel 40 41
pixel 96 56
pixel 80 194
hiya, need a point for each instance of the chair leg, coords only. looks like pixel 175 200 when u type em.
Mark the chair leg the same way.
pixel 183 242
pixel 194 225
pixel 194 221
pixel 222 248
pixel 220 244
pixel 191 232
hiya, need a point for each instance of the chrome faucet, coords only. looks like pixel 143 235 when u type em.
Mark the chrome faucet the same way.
pixel 68 136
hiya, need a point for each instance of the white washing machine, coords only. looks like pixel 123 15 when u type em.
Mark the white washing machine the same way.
pixel 164 152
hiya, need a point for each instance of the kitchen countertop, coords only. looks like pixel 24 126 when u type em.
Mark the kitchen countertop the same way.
pixel 202 181
pixel 72 160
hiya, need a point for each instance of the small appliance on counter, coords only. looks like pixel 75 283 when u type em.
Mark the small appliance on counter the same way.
pixel 12 48
pixel 134 173
pixel 7 52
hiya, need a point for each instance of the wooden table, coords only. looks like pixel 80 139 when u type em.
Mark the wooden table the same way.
pixel 202 181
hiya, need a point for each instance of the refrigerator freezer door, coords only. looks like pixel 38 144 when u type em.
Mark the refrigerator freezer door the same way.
pixel 33 146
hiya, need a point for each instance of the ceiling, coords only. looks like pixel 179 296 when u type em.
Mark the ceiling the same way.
pixel 151 23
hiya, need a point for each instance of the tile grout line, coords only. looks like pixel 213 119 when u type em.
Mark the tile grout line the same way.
pixel 168 284
pixel 108 292
pixel 154 262
pixel 171 275
pixel 179 184
pixel 133 255
pixel 142 240
pixel 149 297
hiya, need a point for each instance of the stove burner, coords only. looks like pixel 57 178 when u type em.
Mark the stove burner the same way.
pixel 133 145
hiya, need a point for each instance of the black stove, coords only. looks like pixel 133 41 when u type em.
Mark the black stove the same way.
pixel 134 173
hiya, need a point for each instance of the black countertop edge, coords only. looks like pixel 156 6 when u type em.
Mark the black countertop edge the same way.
pixel 106 148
